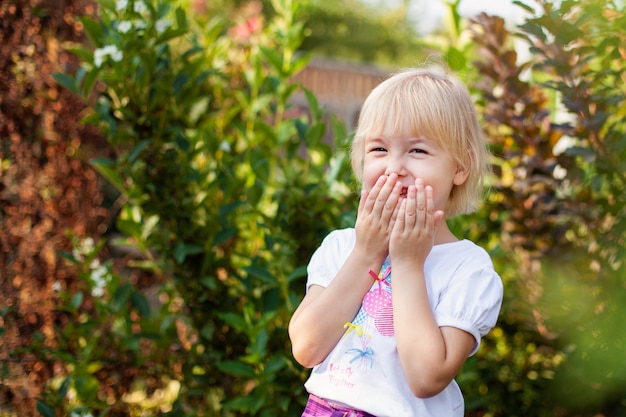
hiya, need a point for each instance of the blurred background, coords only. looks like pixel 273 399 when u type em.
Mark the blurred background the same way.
pixel 167 168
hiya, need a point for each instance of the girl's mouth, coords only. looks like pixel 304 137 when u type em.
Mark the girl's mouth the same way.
pixel 403 193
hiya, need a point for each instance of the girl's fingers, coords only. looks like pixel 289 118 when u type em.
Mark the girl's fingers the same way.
pixel 430 204
pixel 390 207
pixel 384 197
pixel 410 213
pixel 373 195
pixel 420 202
pixel 362 201
pixel 400 223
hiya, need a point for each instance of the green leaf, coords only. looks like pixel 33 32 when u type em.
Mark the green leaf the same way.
pixel 254 193
pixel 67 82
pixel 68 256
pixel 273 57
pixel 182 250
pixel 312 102
pixel 137 150
pixel 261 103
pixel 455 59
pixel 121 296
pixel 261 273
pixel 301 62
pixel 170 34
pixel 94 30
pixel 234 320
pixel 181 17
pixel 209 282
pixel 208 331
pixel 82 53
pixel 182 142
pixel 586 153
pixel 130 227
pixel 44 409
pixel 260 343
pixel 297 273
pixel 89 81
pixel 163 9
pixel 198 109
pixel 235 368
pixel 279 7
pixel 140 302
pixel 77 300
pixel 86 387
pixel 301 128
pixel 315 133
pixel 275 364
pixel 250 403
pixel 148 265
pixel 107 168
pixel 64 387
pixel 223 235
pixel 179 83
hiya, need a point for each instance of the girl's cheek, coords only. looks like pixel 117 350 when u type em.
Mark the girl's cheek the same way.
pixel 369 180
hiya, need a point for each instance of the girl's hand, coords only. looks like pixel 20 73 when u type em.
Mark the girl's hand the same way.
pixel 376 215
pixel 413 233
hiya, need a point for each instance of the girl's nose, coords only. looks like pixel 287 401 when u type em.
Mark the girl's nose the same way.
pixel 395 165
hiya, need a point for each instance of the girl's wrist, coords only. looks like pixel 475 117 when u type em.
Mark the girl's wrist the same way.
pixel 407 262
pixel 369 259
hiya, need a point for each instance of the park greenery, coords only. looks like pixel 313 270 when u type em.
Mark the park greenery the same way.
pixel 220 189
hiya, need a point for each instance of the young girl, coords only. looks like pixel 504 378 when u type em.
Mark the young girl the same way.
pixel 395 305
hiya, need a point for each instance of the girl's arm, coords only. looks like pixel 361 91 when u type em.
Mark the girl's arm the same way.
pixel 431 356
pixel 318 323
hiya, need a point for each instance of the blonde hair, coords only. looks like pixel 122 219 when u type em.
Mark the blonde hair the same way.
pixel 434 104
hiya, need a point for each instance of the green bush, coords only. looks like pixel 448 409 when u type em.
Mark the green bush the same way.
pixel 556 212
pixel 224 188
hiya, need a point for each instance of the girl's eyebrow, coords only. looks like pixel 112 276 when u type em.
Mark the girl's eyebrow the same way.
pixel 374 141
pixel 422 140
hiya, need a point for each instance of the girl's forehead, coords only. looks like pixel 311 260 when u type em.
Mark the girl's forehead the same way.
pixel 390 131
pixel 408 137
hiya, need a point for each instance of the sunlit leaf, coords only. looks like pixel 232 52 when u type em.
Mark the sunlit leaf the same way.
pixel 107 168
pixel 86 387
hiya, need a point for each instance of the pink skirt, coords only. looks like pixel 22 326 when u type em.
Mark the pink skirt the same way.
pixel 318 407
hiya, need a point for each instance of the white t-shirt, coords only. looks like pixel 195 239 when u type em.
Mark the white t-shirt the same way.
pixel 363 371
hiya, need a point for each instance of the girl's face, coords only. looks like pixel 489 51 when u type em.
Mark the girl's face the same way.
pixel 410 158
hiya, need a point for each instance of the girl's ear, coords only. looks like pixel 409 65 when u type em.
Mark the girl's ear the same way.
pixel 461 174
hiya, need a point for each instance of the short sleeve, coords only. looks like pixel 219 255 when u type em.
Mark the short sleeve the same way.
pixel 471 302
pixel 330 257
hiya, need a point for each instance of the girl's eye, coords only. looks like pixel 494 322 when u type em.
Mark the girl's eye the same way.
pixel 417 150
pixel 379 149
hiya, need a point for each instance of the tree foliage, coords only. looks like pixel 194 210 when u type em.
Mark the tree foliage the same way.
pixel 361 32
pixel 46 188
pixel 557 208
pixel 218 179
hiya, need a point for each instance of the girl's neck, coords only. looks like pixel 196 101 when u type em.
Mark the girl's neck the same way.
pixel 444 235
